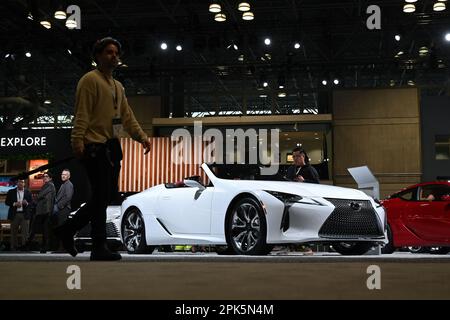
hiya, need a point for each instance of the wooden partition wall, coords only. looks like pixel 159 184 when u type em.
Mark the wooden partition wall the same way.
pixel 379 128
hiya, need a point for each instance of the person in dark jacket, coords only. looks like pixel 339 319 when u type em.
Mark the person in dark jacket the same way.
pixel 18 200
pixel 302 171
pixel 44 208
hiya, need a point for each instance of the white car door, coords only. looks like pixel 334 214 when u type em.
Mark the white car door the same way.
pixel 186 210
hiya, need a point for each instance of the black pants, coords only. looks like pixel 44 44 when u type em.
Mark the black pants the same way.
pixel 102 164
pixel 40 224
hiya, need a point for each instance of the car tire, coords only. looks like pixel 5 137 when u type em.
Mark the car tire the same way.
pixel 388 247
pixel 418 249
pixel 352 248
pixel 133 233
pixel 247 228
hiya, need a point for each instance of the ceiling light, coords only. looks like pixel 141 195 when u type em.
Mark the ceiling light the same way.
pixel 263 95
pixel 267 41
pixel 439 6
pixel 215 8
pixel 411 83
pixel 410 1
pixel 241 57
pixel 30 16
pixel 244 6
pixel 28 54
pixel 220 17
pixel 324 82
pixel 47 102
pixel 179 48
pixel 94 64
pixel 60 15
pixel 447 37
pixel 164 46
pixel 408 8
pixel 265 84
pixel 336 81
pixel 296 45
pixel 7 55
pixel 397 37
pixel 423 51
pixel 71 24
pixel 281 94
pixel 46 24
pixel 68 51
pixel 392 83
pixel 248 16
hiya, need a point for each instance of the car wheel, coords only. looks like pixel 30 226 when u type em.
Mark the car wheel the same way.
pixel 247 228
pixel 388 247
pixel 133 233
pixel 352 248
pixel 417 249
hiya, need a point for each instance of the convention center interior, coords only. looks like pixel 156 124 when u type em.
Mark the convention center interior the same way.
pixel 223 149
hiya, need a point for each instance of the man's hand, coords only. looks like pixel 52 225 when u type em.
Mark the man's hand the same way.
pixel 147 146
pixel 299 179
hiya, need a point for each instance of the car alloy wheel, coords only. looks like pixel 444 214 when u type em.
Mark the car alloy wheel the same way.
pixel 245 227
pixel 133 227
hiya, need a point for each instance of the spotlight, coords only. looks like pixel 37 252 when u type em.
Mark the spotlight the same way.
pixel 324 82
pixel 164 46
pixel 248 16
pixel 71 24
pixel 28 54
pixel 409 8
pixel 215 8
pixel 447 37
pixel 70 52
pixel 47 102
pixel 244 6
pixel 46 24
pixel 179 48
pixel 220 17
pixel 336 81
pixel 60 15
pixel 296 45
pixel 265 84
pixel 397 37
pixel 267 41
pixel 439 6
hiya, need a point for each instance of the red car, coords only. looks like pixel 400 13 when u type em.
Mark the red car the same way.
pixel 419 216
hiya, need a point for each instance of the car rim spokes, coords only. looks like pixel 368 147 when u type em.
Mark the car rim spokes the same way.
pixel 132 231
pixel 245 228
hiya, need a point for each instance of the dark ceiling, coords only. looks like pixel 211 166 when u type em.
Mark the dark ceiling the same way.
pixel 207 75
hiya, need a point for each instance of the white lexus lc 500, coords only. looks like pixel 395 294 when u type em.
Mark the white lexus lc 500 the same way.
pixel 250 216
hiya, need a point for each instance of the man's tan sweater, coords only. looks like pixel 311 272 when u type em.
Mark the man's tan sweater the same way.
pixel 94 111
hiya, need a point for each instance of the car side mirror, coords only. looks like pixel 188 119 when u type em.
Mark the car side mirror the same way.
pixel 194 184
pixel 445 197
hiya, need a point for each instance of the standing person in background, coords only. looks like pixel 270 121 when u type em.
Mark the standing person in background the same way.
pixel 44 209
pixel 302 171
pixel 101 112
pixel 62 206
pixel 18 200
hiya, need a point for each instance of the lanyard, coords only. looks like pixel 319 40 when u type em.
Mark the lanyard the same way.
pixel 298 171
pixel 114 94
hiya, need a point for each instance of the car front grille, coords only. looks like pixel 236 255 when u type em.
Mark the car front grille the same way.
pixel 351 219
pixel 111 231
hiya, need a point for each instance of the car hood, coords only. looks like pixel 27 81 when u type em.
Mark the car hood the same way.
pixel 299 188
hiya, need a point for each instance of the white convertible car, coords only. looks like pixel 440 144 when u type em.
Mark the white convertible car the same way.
pixel 249 216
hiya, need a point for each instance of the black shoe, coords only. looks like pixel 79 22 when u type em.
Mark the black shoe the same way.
pixel 104 254
pixel 67 241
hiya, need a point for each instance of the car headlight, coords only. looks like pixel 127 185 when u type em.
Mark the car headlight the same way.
pixel 289 198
